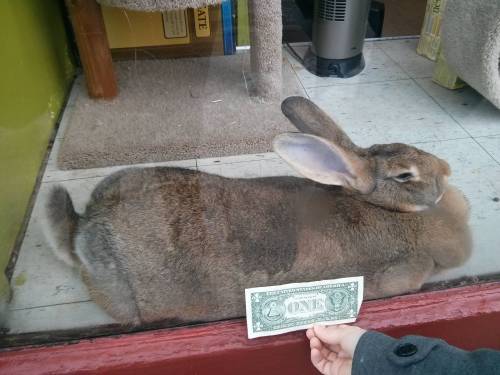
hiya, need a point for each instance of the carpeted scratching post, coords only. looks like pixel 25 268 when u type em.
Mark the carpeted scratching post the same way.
pixel 265 36
pixel 471 44
pixel 266 52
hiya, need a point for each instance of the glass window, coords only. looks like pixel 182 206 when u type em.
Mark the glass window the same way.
pixel 155 162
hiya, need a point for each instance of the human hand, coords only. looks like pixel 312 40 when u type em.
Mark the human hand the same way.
pixel 332 348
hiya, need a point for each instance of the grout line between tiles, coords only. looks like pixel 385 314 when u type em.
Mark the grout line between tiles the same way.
pixel 487 136
pixel 238 162
pixel 55 304
pixel 485 150
pixel 388 38
pixel 297 76
pixel 362 83
pixel 439 140
pixel 457 122
pixel 398 64
pixel 58 180
pixel 367 40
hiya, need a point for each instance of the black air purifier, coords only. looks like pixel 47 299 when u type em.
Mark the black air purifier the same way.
pixel 339 28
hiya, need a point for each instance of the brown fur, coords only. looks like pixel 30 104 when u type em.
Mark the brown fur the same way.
pixel 166 243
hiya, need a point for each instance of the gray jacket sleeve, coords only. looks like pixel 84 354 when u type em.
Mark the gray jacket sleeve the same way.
pixel 378 354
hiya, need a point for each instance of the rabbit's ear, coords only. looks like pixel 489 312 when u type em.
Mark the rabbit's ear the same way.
pixel 310 119
pixel 322 161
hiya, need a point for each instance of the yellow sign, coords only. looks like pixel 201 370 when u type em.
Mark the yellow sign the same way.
pixel 202 22
pixel 128 29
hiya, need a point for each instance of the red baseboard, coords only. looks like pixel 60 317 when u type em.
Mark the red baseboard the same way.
pixel 468 317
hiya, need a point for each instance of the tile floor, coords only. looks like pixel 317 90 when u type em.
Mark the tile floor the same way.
pixel 393 99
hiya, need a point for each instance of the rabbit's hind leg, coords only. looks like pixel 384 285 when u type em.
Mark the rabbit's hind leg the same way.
pixel 400 278
pixel 105 274
pixel 114 295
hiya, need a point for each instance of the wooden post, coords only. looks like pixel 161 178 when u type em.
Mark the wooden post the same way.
pixel 92 43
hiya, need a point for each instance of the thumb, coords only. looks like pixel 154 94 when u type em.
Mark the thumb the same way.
pixel 345 336
pixel 329 335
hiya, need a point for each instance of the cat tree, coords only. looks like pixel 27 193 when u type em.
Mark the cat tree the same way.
pixel 265 39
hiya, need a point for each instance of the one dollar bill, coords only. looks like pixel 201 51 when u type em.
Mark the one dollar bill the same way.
pixel 272 310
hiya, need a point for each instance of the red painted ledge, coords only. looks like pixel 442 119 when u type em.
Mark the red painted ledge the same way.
pixel 468 317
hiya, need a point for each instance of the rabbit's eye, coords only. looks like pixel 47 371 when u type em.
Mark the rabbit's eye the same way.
pixel 403 177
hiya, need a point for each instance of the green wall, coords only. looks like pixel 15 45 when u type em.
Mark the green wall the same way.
pixel 243 33
pixel 35 73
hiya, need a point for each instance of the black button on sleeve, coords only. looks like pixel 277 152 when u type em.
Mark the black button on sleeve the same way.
pixel 411 349
pixel 377 353
pixel 406 350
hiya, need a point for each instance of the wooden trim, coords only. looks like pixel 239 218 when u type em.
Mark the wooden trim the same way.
pixel 468 317
pixel 90 34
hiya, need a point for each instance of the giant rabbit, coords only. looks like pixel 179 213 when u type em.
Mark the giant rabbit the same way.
pixel 158 244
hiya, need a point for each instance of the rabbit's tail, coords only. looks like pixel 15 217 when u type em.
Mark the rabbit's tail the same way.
pixel 62 221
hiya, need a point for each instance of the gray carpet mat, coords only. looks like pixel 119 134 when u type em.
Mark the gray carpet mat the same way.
pixel 174 110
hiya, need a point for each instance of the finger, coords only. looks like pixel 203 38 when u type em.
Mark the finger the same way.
pixel 345 336
pixel 325 352
pixel 318 360
pixel 344 367
pixel 316 356
pixel 310 333
pixel 315 343
pixel 331 356
pixel 328 353
pixel 344 354
pixel 329 335
pixel 335 348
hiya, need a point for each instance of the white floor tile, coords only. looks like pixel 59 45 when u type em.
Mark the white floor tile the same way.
pixel 250 169
pixel 398 111
pixel 478 176
pixel 379 68
pixel 277 167
pixel 56 317
pixel 40 278
pixel 477 115
pixel 403 52
pixel 463 154
pixel 55 175
pixel 236 159
pixel 52 160
pixel 76 89
pixel 492 145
